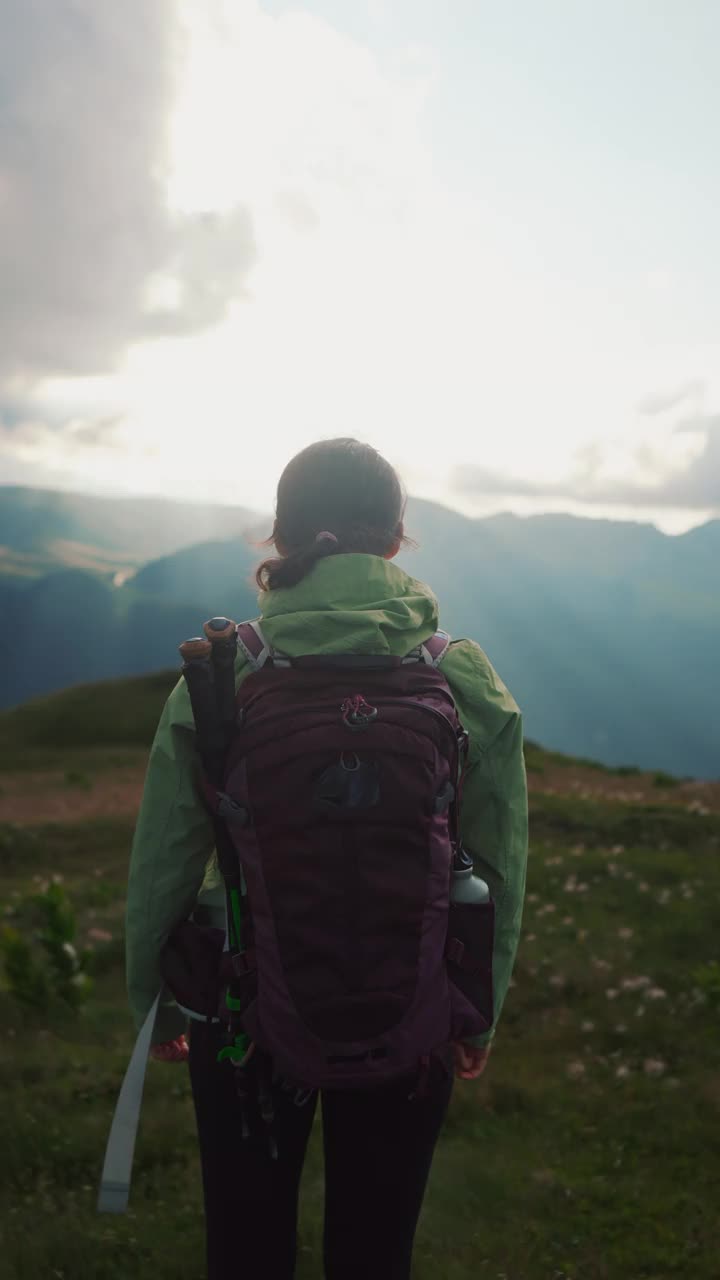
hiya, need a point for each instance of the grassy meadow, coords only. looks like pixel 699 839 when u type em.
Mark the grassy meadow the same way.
pixel 589 1150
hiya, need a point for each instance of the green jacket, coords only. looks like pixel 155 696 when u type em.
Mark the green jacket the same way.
pixel 348 604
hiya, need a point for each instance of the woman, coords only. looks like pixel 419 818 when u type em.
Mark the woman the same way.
pixel 331 589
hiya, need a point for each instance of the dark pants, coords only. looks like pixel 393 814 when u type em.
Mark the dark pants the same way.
pixel 378 1147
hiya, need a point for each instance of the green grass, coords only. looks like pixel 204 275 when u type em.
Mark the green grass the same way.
pixel 590 1150
pixel 113 715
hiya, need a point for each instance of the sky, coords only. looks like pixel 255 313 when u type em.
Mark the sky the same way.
pixel 480 236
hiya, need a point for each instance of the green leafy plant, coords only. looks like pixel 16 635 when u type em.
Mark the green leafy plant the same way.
pixel 707 980
pixel 41 960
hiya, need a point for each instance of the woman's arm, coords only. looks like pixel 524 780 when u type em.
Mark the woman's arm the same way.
pixel 494 810
pixel 171 848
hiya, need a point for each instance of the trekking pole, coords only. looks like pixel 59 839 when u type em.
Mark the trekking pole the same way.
pixel 212 732
pixel 222 634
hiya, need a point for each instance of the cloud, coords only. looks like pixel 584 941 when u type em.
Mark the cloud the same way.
pixel 87 90
pixel 694 485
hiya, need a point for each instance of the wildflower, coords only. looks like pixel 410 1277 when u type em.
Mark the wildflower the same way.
pixel 625 933
pixel 611 993
pixel 622 1071
pixel 575 1069
pixel 581 935
pixel 597 963
pixel 530 937
pixel 557 980
pixel 568 920
pixel 570 883
pixel 100 935
pixel 553 862
pixel 663 897
pixel 587 1025
pixel 635 984
pixel 618 848
pixel 656 993
pixel 653 1067
pixel 532 897
pixel 577 850
pixel 621 1028
pixel 643 886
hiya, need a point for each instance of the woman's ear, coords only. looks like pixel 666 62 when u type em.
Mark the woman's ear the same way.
pixel 396 542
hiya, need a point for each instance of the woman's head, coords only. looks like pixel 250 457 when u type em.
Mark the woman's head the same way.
pixel 341 487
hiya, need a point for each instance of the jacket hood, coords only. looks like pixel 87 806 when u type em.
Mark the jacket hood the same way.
pixel 350 603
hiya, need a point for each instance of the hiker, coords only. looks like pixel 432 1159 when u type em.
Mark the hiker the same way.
pixel 332 589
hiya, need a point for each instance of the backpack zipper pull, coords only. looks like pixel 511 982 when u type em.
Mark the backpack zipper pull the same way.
pixel 357 713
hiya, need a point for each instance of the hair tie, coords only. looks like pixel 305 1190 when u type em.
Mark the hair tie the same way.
pixel 326 536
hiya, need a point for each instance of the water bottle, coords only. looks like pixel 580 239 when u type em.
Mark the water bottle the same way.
pixel 464 886
pixel 469 948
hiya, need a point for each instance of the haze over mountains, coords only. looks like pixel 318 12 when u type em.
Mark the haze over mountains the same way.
pixel 607 633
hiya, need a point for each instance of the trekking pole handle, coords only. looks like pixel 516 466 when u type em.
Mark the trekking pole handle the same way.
pixel 197 648
pixel 220 629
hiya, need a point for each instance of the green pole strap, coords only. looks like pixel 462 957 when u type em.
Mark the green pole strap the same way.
pixel 236 916
pixel 117 1169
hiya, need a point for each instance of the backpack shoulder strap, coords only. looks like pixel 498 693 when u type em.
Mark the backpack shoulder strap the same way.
pixel 253 644
pixel 433 650
pixel 258 651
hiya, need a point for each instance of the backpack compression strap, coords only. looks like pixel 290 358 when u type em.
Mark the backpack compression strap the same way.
pixel 258 651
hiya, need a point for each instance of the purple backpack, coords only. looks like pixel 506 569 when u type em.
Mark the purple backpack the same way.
pixel 342 783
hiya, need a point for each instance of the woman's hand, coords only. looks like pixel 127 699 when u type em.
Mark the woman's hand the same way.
pixel 469 1061
pixel 171 1051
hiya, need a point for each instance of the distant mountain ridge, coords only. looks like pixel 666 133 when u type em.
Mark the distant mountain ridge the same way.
pixel 606 633
pixel 42 529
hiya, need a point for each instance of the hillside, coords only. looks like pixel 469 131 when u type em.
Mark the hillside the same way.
pixel 607 633
pixel 42 529
pixel 590 1142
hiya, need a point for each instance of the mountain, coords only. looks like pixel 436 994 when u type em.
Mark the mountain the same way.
pixel 606 632
pixel 41 529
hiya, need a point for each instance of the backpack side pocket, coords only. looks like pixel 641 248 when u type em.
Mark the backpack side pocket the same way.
pixel 468 957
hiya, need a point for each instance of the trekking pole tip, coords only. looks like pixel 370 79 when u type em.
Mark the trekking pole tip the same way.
pixel 220 628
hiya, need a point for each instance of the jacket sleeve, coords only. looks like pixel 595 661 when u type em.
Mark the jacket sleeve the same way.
pixel 172 845
pixel 494 808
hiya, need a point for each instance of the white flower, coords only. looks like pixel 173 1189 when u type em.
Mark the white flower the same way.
pixel 575 1069
pixel 655 993
pixel 587 1025
pixel 625 933
pixel 611 993
pixel 622 1071
pixel 635 984
pixel 653 1067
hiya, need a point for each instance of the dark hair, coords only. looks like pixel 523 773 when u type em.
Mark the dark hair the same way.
pixel 340 486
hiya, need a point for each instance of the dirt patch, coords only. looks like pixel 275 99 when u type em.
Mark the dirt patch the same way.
pixel 632 789
pixel 55 797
